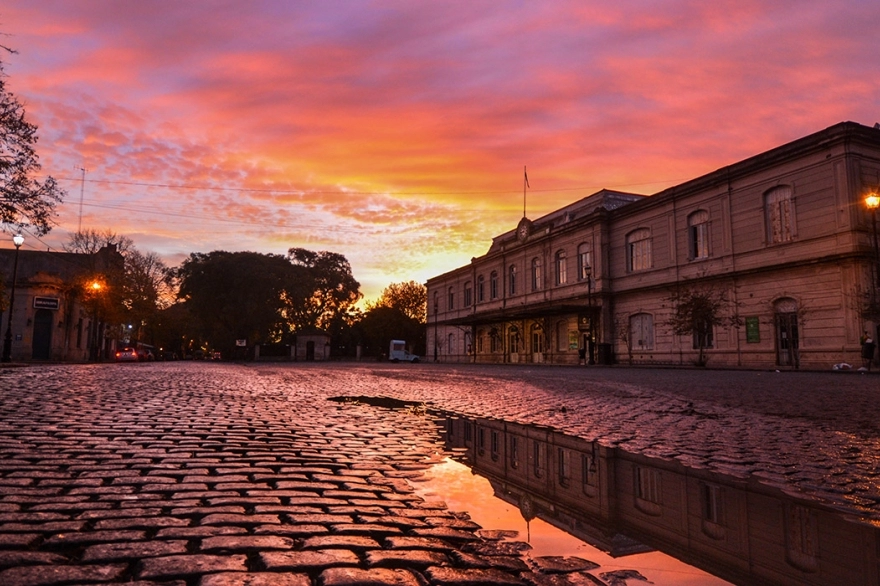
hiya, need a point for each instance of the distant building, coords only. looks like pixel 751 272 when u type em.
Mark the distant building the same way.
pixel 53 318
pixel 785 238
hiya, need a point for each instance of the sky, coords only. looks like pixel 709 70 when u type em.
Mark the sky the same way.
pixel 397 133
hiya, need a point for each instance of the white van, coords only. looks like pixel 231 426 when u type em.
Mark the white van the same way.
pixel 397 352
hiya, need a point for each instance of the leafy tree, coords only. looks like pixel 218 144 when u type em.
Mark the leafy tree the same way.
pixel 24 201
pixel 235 295
pixel 136 289
pixel 410 298
pixel 321 288
pixel 146 288
pixel 382 324
pixel 696 311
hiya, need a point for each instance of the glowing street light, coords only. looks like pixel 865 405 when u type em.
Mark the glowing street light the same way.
pixel 17 240
pixel 872 201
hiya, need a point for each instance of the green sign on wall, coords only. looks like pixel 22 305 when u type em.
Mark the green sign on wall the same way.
pixel 753 330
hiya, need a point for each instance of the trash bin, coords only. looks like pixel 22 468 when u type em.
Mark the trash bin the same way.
pixel 606 354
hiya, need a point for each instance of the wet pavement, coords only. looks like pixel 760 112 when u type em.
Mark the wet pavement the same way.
pixel 219 474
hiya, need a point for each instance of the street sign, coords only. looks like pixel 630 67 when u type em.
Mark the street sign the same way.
pixel 46 303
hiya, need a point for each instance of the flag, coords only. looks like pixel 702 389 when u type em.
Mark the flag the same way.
pixel 526 177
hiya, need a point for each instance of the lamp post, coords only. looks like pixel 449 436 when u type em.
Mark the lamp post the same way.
pixel 94 289
pixel 872 201
pixel 588 273
pixel 18 240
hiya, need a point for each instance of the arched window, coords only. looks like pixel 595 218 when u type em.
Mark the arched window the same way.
pixel 537 279
pixel 451 299
pixel 585 261
pixel 468 294
pixel 481 289
pixel 436 302
pixel 698 235
pixel 511 273
pixel 638 250
pixel 779 210
pixel 561 276
pixel 493 285
pixel 450 344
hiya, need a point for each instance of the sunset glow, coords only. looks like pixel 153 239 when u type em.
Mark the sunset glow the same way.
pixel 396 132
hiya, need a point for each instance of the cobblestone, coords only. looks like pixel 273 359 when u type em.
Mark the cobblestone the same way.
pixel 247 475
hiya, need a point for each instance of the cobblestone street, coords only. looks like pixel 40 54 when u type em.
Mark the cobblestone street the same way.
pixel 221 474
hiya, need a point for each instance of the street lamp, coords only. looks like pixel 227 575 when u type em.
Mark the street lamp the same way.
pixel 18 240
pixel 588 273
pixel 94 289
pixel 872 201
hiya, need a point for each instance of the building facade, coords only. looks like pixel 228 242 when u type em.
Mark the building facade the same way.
pixel 783 243
pixel 57 314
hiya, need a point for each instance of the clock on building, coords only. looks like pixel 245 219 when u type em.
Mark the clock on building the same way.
pixel 524 229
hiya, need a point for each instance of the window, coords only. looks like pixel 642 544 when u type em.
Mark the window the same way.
pixel 648 484
pixel 711 503
pixel 584 262
pixel 514 452
pixel 537 340
pixel 451 299
pixel 703 336
pixel 563 458
pixel 779 208
pixel 512 279
pixel 641 331
pixel 537 459
pixel 436 302
pixel 560 268
pixel 481 288
pixel 536 274
pixel 450 344
pixel 493 285
pixel 514 342
pixel 638 250
pixel 562 336
pixel 468 294
pixel 495 444
pixel 698 235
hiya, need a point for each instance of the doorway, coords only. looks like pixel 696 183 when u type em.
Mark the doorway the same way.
pixel 41 348
pixel 787 335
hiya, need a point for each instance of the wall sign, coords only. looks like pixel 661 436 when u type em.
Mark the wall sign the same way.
pixel 46 303
pixel 753 330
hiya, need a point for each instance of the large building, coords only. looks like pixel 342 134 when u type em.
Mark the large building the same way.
pixel 783 245
pixel 57 311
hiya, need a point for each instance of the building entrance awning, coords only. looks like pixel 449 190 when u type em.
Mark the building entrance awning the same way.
pixel 509 314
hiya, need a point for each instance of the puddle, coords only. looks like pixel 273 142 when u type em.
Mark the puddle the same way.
pixel 596 502
pixel 464 491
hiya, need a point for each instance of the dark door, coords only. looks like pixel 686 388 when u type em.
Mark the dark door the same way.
pixel 42 346
pixel 310 350
pixel 787 341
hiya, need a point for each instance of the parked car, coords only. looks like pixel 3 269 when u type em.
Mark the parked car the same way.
pixel 127 354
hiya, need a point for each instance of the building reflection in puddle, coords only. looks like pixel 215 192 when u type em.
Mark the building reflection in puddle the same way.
pixel 737 528
pixel 464 490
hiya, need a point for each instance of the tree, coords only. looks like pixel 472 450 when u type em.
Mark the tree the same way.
pixel 24 201
pixel 147 289
pixel 322 288
pixel 382 324
pixel 235 295
pixel 697 311
pixel 90 241
pixel 410 298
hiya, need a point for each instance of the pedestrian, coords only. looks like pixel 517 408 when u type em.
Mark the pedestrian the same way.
pixel 868 347
pixel 582 355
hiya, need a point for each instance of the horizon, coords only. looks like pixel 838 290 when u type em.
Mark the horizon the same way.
pixel 397 134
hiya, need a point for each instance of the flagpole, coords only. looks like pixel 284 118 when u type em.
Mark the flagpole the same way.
pixel 525 184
